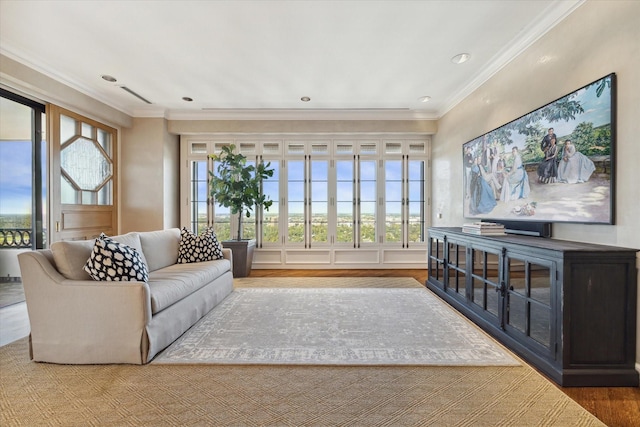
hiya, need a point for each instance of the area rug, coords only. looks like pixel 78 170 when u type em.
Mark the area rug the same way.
pixel 335 326
pixel 44 394
pixel 11 293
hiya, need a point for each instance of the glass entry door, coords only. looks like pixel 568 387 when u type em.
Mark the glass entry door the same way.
pixel 22 173
pixel 22 189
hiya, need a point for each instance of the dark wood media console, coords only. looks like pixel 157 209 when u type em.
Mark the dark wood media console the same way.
pixel 568 308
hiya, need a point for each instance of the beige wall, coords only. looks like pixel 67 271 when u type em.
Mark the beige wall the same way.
pixel 149 159
pixel 597 39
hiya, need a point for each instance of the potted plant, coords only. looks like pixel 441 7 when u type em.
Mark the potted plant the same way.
pixel 238 186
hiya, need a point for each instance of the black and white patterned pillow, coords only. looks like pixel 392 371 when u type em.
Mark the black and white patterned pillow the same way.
pixel 114 261
pixel 204 247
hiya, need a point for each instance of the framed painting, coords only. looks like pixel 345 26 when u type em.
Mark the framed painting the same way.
pixel 554 164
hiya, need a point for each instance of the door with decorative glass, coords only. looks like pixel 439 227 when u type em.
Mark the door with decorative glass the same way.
pixel 83 176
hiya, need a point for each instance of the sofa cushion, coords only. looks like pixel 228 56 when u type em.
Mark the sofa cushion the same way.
pixel 70 256
pixel 115 262
pixel 194 248
pixel 160 247
pixel 171 284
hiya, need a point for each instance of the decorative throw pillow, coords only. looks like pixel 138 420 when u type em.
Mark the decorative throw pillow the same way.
pixel 114 261
pixel 204 247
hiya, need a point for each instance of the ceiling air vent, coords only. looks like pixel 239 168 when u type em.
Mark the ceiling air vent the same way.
pixel 135 94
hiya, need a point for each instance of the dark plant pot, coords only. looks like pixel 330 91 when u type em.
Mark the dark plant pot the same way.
pixel 242 251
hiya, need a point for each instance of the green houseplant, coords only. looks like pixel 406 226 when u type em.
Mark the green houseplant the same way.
pixel 238 185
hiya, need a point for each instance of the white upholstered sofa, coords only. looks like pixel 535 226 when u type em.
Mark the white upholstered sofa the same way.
pixel 77 320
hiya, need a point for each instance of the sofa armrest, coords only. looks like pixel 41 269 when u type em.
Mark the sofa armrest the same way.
pixel 83 321
pixel 227 254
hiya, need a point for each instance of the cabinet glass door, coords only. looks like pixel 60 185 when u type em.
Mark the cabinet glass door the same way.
pixel 529 299
pixel 436 261
pixel 485 280
pixel 456 269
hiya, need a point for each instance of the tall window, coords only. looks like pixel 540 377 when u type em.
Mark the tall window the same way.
pixel 347 193
pixel 394 201
pixel 319 201
pixel 345 201
pixel 416 201
pixel 204 211
pixel 270 220
pixel 368 200
pixel 296 201
pixel 250 224
pixel 221 215
pixel 22 173
pixel 308 192
pixel 357 202
pixel 199 196
pixel 405 171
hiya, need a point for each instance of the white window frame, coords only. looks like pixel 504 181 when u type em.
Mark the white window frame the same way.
pixel 329 254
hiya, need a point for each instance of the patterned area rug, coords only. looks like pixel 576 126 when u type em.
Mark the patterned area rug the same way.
pixel 11 293
pixel 335 326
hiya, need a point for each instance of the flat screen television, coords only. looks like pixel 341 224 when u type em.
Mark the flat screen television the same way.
pixel 554 164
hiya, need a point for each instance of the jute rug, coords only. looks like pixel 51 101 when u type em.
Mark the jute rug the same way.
pixel 38 394
pixel 335 326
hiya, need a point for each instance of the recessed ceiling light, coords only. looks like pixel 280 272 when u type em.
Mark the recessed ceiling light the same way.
pixel 186 98
pixel 424 98
pixel 109 78
pixel 305 99
pixel 460 58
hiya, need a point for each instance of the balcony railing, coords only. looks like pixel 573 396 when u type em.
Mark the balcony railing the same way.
pixel 15 238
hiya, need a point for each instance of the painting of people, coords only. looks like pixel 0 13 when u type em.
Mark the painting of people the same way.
pixel 555 164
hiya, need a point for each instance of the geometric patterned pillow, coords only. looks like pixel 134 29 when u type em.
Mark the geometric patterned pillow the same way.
pixel 117 262
pixel 193 248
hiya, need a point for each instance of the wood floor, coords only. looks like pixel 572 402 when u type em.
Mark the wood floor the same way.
pixel 614 406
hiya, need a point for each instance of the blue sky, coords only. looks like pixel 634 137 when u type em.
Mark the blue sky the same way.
pixel 15 177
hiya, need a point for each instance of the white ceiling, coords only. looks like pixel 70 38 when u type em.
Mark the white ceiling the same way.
pixel 256 59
